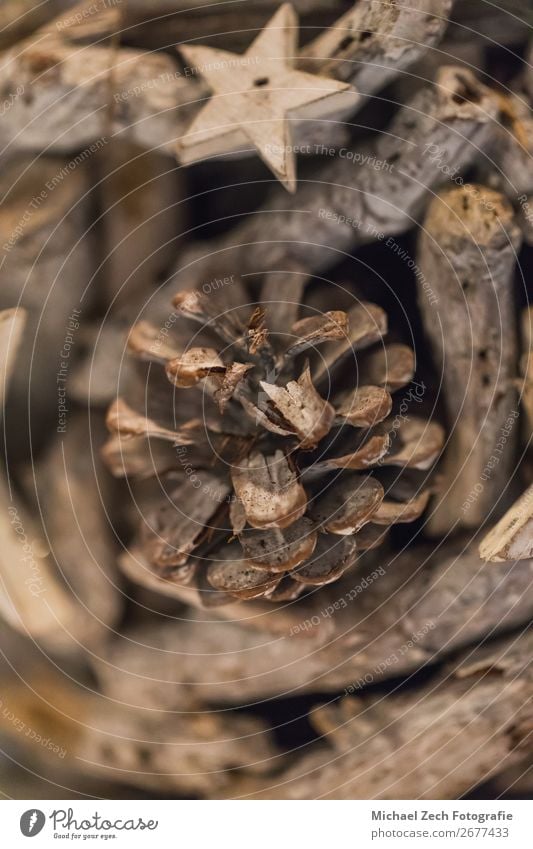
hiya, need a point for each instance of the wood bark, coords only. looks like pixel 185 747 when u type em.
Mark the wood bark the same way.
pixel 70 96
pixel 511 162
pixel 436 740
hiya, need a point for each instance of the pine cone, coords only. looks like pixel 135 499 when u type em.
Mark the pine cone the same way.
pixel 261 483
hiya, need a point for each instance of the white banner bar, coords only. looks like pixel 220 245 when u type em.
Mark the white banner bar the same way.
pixel 264 825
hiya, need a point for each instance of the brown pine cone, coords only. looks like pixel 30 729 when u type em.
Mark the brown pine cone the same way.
pixel 261 484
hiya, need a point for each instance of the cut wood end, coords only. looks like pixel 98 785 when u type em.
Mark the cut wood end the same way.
pixel 472 212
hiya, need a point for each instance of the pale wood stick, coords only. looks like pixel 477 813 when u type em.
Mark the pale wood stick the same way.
pixel 467 250
pixel 431 602
pixel 191 754
pixel 72 95
pixel 89 21
pixel 510 165
pixel 512 537
pixel 33 600
pixel 437 741
pixel 373 42
pixel 140 196
pixel 74 494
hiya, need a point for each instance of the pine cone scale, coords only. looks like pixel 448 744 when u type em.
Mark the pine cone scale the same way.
pixel 274 501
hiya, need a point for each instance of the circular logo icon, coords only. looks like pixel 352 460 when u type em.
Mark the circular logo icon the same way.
pixel 32 822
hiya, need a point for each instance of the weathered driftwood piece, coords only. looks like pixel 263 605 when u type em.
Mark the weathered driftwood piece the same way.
pixel 381 620
pixel 141 199
pixel 467 250
pixel 73 494
pixel 73 96
pixel 512 537
pixel 373 41
pixel 35 728
pixel 434 742
pixel 33 599
pixel 371 195
pixel 192 754
pixel 46 268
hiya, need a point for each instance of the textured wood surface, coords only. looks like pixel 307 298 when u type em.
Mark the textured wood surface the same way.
pixel 468 250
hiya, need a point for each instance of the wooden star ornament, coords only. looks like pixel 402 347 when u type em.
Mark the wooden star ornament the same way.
pixel 256 96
